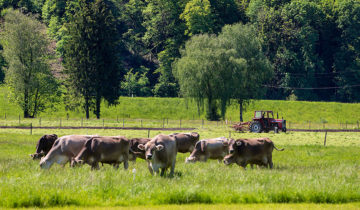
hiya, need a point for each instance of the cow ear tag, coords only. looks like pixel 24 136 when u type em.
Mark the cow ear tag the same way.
pixel 238 143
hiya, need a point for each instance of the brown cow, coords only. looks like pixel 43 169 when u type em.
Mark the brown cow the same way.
pixel 44 145
pixel 160 153
pixel 209 149
pixel 110 149
pixel 185 142
pixel 134 150
pixel 251 151
pixel 64 149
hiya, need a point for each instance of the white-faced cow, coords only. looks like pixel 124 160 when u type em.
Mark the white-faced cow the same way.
pixel 209 149
pixel 44 145
pixel 251 151
pixel 64 150
pixel 160 153
pixel 185 142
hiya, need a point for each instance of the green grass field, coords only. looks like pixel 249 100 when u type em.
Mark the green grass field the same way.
pixel 300 112
pixel 306 172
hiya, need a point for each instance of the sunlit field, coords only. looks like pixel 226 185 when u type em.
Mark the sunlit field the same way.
pixel 306 172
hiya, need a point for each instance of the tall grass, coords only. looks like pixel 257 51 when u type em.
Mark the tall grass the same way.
pixel 179 108
pixel 306 172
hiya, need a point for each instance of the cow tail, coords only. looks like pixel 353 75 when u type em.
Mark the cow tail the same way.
pixel 278 149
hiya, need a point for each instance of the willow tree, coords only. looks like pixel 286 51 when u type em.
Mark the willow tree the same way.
pixel 26 52
pixel 201 74
pixel 221 68
pixel 252 69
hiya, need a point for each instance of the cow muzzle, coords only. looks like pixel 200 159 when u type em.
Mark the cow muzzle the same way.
pixel 148 157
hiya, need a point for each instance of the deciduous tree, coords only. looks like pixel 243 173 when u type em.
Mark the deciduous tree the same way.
pixel 26 52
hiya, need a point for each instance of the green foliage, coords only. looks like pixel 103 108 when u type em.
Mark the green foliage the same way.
pixel 135 84
pixel 198 17
pixel 28 75
pixel 347 58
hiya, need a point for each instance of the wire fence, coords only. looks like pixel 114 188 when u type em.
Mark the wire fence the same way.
pixel 164 123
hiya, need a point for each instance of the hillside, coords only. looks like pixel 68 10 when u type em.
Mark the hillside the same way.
pixel 179 108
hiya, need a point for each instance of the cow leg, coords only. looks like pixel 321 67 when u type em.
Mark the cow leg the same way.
pixel 271 165
pixel 95 165
pixel 116 165
pixel 172 167
pixel 126 164
pixel 162 171
pixel 150 168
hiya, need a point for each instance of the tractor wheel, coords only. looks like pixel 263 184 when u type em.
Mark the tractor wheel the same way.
pixel 255 127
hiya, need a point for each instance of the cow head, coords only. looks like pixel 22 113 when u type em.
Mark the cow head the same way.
pixel 198 153
pixel 44 145
pixel 150 149
pixel 45 163
pixel 234 150
pixel 229 159
pixel 195 136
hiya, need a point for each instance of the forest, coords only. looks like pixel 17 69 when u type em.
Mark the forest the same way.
pixel 87 51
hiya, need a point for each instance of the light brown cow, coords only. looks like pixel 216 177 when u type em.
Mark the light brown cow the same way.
pixel 111 150
pixel 209 149
pixel 185 142
pixel 251 151
pixel 135 152
pixel 160 153
pixel 44 145
pixel 64 149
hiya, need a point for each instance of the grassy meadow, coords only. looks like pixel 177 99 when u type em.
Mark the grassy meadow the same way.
pixel 298 113
pixel 306 172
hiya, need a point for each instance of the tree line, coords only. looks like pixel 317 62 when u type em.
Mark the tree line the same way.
pixel 86 51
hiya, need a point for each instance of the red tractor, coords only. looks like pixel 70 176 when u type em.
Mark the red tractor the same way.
pixel 264 121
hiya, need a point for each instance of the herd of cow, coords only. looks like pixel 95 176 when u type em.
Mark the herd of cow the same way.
pixel 159 152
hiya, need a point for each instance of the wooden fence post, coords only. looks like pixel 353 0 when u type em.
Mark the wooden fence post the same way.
pixel 103 123
pixel 5 115
pixel 82 119
pixel 358 124
pixel 149 133
pixel 40 121
pixel 141 122
pixel 309 124
pixel 163 122
pixel 30 128
pixel 325 139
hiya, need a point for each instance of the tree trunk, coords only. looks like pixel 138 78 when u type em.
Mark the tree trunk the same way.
pixel 241 110
pixel 87 107
pixel 97 107
pixel 26 104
